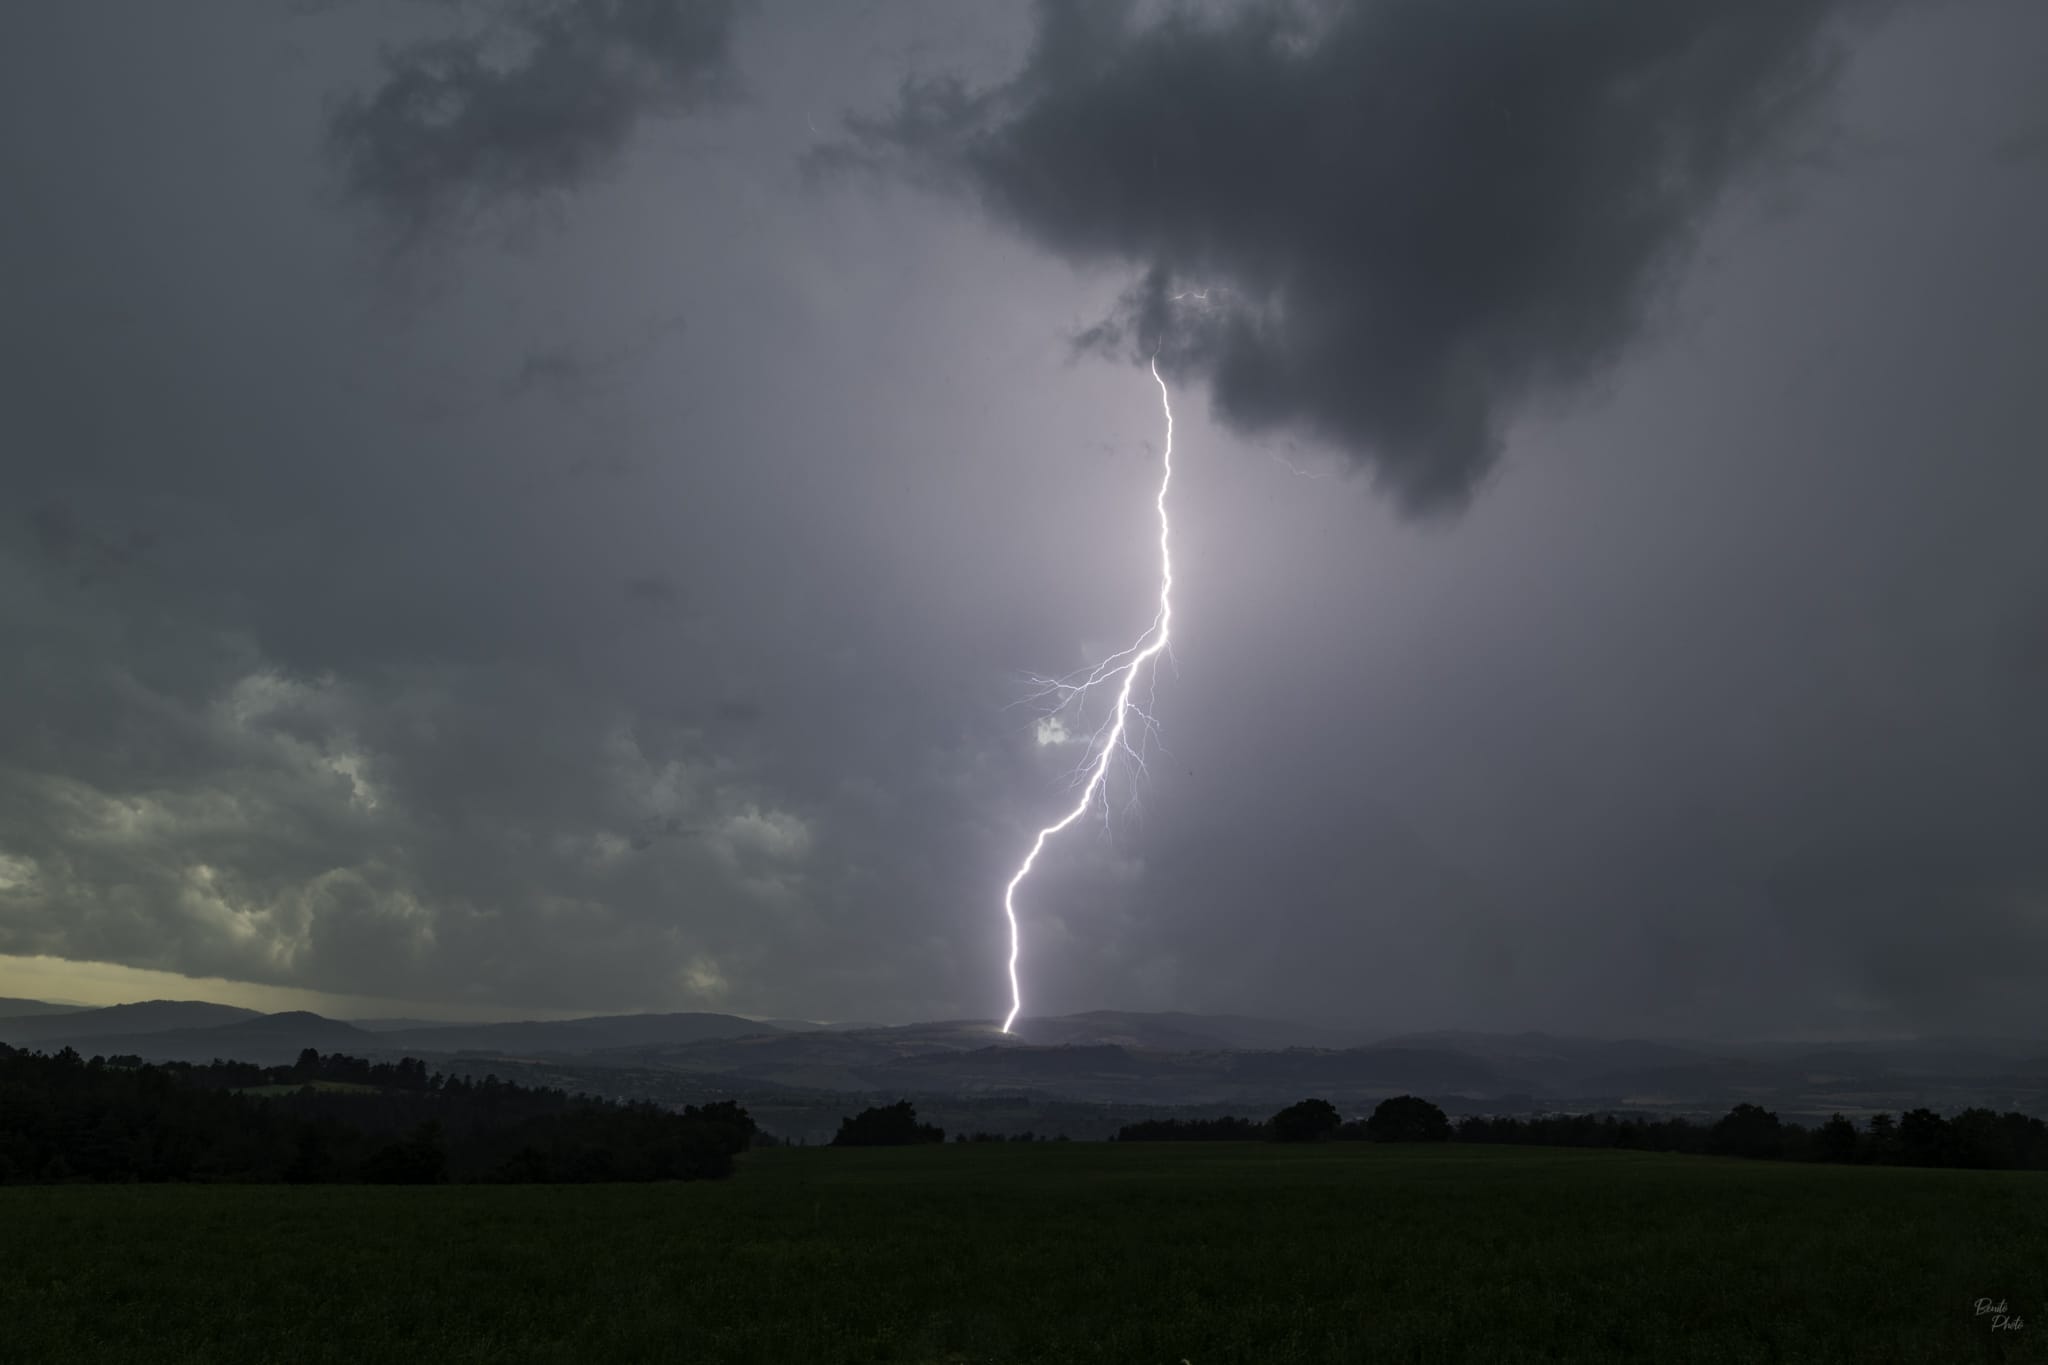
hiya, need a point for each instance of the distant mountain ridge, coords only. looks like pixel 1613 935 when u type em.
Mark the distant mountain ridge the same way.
pixel 395 1025
pixel 14 1008
pixel 1182 1032
pixel 1109 1057
pixel 182 1030
pixel 266 1039
pixel 591 1034
pixel 143 1017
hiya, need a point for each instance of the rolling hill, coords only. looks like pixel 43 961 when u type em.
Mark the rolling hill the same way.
pixel 266 1039
pixel 569 1036
pixel 14 1008
pixel 1179 1032
pixel 1104 1057
pixel 136 1020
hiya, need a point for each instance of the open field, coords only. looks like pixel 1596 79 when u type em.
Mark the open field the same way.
pixel 1051 1253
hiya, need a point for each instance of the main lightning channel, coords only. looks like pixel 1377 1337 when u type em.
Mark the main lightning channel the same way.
pixel 1128 663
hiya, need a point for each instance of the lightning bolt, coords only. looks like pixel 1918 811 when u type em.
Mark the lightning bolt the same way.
pixel 1122 667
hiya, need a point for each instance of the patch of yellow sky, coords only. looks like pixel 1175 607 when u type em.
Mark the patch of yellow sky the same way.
pixel 64 982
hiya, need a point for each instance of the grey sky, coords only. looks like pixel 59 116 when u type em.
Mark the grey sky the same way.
pixel 595 568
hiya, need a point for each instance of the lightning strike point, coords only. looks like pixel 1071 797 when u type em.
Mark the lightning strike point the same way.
pixel 1125 665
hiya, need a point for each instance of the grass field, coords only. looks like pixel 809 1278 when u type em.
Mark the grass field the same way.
pixel 1051 1253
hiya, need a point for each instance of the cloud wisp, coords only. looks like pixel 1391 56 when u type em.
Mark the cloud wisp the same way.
pixel 538 101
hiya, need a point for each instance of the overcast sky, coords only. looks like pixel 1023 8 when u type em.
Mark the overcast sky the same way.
pixel 530 507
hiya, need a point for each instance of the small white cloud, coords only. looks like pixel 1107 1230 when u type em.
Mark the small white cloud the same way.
pixel 601 850
pixel 16 874
pixel 351 766
pixel 704 979
pixel 770 834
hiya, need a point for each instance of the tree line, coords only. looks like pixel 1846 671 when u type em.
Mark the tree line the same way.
pixel 1979 1139
pixel 1975 1139
pixel 1404 1118
pixel 886 1125
pixel 336 1119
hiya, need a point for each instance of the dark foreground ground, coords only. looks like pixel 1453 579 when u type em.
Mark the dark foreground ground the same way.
pixel 1051 1253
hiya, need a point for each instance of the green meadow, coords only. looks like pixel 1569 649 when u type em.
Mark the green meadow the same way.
pixel 1052 1253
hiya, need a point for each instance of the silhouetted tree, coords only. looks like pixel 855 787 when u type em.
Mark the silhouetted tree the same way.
pixel 1979 1140
pixel 1307 1121
pixel 1836 1140
pixel 2028 1139
pixel 893 1125
pixel 419 1160
pixel 1924 1138
pixel 1880 1142
pixel 1748 1130
pixel 1407 1118
pixel 728 1118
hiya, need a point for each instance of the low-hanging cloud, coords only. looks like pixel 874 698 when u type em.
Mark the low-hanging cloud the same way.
pixel 1381 224
pixel 538 101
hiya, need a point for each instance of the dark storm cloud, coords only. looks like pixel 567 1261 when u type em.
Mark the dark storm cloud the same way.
pixel 575 377
pixel 556 370
pixel 654 590
pixel 2027 146
pixel 89 554
pixel 540 100
pixel 1407 216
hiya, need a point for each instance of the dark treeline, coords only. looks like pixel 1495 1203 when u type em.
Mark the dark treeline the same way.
pixel 311 1069
pixel 1026 1136
pixel 896 1125
pixel 1404 1118
pixel 335 1120
pixel 1194 1130
pixel 1975 1138
pixel 1588 1130
pixel 886 1125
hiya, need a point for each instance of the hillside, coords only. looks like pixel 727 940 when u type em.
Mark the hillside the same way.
pixel 126 1021
pixel 1108 1057
pixel 265 1039
pixel 14 1008
pixel 591 1034
pixel 1175 1031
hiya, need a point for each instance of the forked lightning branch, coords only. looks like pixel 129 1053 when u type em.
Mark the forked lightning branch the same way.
pixel 1120 670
